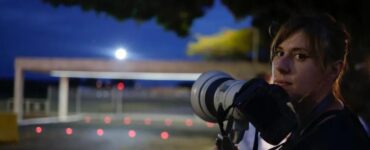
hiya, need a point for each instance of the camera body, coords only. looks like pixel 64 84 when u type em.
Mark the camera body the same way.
pixel 216 97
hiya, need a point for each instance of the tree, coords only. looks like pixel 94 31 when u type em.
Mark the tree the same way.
pixel 173 15
pixel 229 44
pixel 178 16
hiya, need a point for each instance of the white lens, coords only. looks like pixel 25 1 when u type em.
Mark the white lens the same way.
pixel 201 106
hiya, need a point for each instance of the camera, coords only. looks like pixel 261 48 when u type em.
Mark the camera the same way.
pixel 217 97
pixel 211 90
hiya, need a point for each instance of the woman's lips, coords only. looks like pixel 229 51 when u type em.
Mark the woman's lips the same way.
pixel 282 83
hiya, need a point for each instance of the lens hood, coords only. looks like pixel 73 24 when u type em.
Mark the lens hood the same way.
pixel 202 94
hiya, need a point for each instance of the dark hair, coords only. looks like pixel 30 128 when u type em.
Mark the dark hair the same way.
pixel 329 40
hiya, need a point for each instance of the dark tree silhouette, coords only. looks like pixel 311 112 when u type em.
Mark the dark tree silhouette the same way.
pixel 178 16
pixel 173 15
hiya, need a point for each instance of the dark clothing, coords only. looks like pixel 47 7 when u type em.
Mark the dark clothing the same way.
pixel 331 130
pixel 334 130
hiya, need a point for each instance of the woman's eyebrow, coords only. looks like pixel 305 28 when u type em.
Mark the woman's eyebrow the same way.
pixel 299 49
pixel 279 48
pixel 294 49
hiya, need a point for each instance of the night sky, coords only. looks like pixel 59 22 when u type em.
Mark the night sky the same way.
pixel 33 28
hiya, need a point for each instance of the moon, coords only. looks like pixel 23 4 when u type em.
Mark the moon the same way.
pixel 121 53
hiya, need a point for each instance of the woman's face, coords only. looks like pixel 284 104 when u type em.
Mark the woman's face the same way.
pixel 296 70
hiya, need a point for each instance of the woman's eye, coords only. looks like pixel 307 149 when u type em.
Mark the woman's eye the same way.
pixel 301 57
pixel 278 53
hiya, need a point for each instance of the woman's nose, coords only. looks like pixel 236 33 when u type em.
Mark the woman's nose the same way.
pixel 283 65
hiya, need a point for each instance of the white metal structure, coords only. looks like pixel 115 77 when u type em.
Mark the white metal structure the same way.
pixel 113 69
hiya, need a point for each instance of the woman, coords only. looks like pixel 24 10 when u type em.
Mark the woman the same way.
pixel 309 56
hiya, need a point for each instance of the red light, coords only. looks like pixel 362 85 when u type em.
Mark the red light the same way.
pixel 100 132
pixel 189 122
pixel 131 133
pixel 87 119
pixel 69 131
pixel 210 125
pixel 120 86
pixel 38 130
pixel 107 120
pixel 168 122
pixel 165 135
pixel 147 121
pixel 127 120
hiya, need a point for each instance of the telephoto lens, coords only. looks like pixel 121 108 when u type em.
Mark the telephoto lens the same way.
pixel 212 90
pixel 264 105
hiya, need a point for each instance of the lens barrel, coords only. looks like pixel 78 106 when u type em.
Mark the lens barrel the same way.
pixel 262 104
pixel 211 90
pixel 201 89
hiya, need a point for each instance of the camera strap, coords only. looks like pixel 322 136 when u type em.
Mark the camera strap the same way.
pixel 223 141
pixel 255 144
pixel 221 116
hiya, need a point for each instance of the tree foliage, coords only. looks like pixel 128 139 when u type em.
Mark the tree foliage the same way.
pixel 353 14
pixel 173 15
pixel 229 44
pixel 178 16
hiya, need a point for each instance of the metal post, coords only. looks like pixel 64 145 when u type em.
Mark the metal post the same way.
pixel 113 98
pixel 119 102
pixel 28 106
pixel 18 93
pixel 78 100
pixel 9 105
pixel 255 44
pixel 63 99
pixel 48 100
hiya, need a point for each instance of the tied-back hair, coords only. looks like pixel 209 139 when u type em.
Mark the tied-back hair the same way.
pixel 329 41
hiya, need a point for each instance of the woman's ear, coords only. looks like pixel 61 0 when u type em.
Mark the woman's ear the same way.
pixel 334 70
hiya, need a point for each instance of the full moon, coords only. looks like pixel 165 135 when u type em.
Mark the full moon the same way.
pixel 121 53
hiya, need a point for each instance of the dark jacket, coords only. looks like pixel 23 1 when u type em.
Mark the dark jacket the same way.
pixel 332 130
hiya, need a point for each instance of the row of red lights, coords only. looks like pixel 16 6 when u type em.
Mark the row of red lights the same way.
pixel 100 132
pixel 148 121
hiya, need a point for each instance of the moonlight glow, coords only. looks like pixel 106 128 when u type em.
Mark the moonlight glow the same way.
pixel 121 53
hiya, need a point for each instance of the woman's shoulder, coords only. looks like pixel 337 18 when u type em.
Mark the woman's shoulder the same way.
pixel 338 120
pixel 338 129
pixel 335 129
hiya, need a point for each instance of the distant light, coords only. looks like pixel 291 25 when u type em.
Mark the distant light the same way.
pixel 100 132
pixel 127 120
pixel 147 121
pixel 131 133
pixel 165 135
pixel 87 119
pixel 121 53
pixel 210 125
pixel 69 131
pixel 99 84
pixel 189 122
pixel 38 130
pixel 168 122
pixel 120 86
pixel 107 120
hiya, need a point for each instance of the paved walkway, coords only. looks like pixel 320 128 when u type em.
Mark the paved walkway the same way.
pixel 116 132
